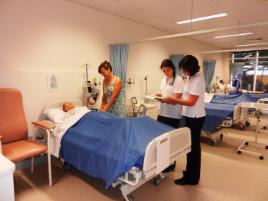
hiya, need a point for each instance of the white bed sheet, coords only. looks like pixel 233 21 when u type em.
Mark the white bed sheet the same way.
pixel 61 129
pixel 208 97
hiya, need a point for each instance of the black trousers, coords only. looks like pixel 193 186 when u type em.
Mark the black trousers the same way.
pixel 193 166
pixel 173 122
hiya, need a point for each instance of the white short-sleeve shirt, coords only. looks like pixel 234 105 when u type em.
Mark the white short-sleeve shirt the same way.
pixel 168 88
pixel 195 85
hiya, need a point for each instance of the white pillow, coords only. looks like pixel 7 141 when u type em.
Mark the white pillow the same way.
pixel 69 113
pixel 55 115
pixel 77 110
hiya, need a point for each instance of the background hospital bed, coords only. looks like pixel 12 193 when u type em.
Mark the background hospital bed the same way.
pixel 225 111
pixel 260 109
pixel 160 152
pixel 217 116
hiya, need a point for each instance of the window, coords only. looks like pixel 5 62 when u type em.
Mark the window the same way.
pixel 246 64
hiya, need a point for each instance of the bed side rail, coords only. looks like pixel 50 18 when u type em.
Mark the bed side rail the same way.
pixel 165 149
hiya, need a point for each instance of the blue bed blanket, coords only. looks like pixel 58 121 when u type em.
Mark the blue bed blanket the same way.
pixel 216 114
pixel 105 146
pixel 234 99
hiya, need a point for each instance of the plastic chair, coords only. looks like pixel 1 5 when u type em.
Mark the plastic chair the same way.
pixel 14 142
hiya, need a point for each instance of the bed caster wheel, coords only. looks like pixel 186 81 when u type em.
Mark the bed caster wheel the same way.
pixel 264 127
pixel 246 143
pixel 157 181
pixel 261 157
pixel 241 127
pixel 66 166
pixel 266 147
pixel 239 152
pixel 129 198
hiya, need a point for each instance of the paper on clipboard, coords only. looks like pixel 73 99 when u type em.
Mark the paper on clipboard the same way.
pixel 153 98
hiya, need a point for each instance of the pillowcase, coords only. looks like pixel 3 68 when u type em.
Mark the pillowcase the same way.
pixel 69 113
pixel 75 111
pixel 55 115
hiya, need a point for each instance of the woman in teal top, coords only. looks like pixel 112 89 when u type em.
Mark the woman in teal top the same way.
pixel 113 99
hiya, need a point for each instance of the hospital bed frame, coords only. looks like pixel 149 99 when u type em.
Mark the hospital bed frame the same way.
pixel 159 154
pixel 46 127
pixel 259 107
pixel 238 119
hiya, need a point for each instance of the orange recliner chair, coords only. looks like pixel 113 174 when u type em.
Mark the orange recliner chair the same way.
pixel 14 142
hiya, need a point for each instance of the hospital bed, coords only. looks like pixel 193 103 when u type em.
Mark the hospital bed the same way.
pixel 220 112
pixel 226 111
pixel 146 151
pixel 259 108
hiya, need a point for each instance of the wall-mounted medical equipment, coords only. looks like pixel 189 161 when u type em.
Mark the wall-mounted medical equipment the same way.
pixel 137 111
pixel 91 92
pixel 130 81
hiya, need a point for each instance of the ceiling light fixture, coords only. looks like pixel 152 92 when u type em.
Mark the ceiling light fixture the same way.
pixel 233 35
pixel 251 44
pixel 234 50
pixel 202 18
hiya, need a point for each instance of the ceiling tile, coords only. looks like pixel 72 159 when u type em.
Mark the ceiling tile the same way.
pixel 217 23
pixel 119 9
pixel 239 5
pixel 142 4
pixel 163 14
pixel 256 14
pixel 93 3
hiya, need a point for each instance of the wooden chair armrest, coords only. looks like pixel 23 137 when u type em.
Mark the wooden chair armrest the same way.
pixel 45 124
pixel 0 144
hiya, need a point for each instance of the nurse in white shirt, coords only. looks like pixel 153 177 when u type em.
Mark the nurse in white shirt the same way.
pixel 193 109
pixel 171 85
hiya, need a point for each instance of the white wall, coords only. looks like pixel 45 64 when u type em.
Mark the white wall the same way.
pixel 145 59
pixel 226 65
pixel 55 36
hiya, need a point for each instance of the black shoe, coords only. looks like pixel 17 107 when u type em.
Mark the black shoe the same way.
pixel 170 168
pixel 184 181
pixel 193 182
pixel 181 181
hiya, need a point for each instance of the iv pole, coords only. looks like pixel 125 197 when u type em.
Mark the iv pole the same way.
pixel 146 89
pixel 86 73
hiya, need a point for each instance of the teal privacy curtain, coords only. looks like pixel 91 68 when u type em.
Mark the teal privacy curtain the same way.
pixel 175 58
pixel 236 68
pixel 209 68
pixel 118 58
